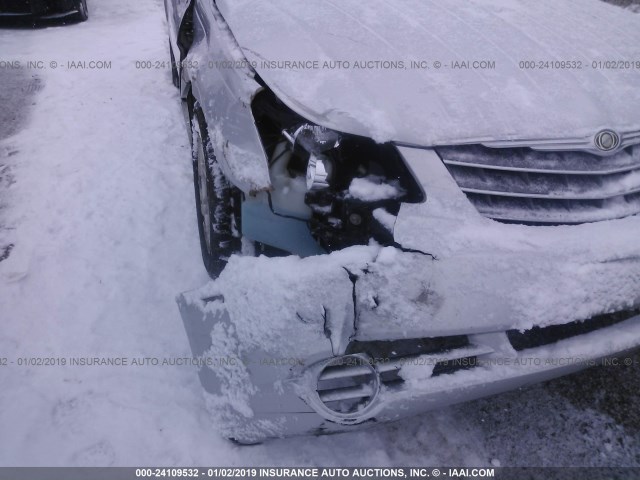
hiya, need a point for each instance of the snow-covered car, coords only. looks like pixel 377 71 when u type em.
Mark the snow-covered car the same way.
pixel 457 185
pixel 45 9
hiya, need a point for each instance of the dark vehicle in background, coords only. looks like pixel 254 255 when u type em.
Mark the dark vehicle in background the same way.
pixel 45 9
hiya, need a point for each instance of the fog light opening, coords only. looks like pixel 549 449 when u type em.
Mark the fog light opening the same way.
pixel 347 388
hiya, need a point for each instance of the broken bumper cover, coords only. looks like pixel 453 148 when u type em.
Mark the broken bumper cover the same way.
pixel 316 352
pixel 467 308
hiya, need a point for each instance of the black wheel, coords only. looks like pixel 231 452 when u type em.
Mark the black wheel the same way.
pixel 217 202
pixel 175 76
pixel 83 11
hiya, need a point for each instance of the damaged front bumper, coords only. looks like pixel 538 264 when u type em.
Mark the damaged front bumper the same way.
pixel 465 307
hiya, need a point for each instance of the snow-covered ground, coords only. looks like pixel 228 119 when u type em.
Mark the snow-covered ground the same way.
pixel 96 196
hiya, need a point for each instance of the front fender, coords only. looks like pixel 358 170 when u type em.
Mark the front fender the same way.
pixel 225 86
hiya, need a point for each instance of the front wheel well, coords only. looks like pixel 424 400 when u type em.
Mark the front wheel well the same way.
pixel 190 101
pixel 186 31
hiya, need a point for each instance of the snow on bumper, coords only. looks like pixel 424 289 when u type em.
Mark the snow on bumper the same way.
pixel 269 327
pixel 451 301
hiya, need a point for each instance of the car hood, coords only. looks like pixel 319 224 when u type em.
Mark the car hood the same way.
pixel 391 99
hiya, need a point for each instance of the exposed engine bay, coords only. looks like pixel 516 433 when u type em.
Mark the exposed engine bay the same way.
pixel 349 188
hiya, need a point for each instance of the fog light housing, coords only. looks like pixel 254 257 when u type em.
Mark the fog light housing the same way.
pixel 347 389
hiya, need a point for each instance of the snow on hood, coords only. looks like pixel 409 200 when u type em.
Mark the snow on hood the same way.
pixel 446 105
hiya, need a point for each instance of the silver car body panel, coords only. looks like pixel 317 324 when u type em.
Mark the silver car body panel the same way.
pixel 410 106
pixel 455 103
pixel 283 401
pixel 460 274
pixel 453 271
pixel 228 92
pixel 255 398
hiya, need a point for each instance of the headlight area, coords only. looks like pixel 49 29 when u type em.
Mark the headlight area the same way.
pixel 347 188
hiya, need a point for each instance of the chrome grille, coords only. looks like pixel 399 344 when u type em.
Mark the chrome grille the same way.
pixel 533 187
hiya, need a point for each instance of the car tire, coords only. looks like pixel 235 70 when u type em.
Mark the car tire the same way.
pixel 217 202
pixel 83 11
pixel 175 76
